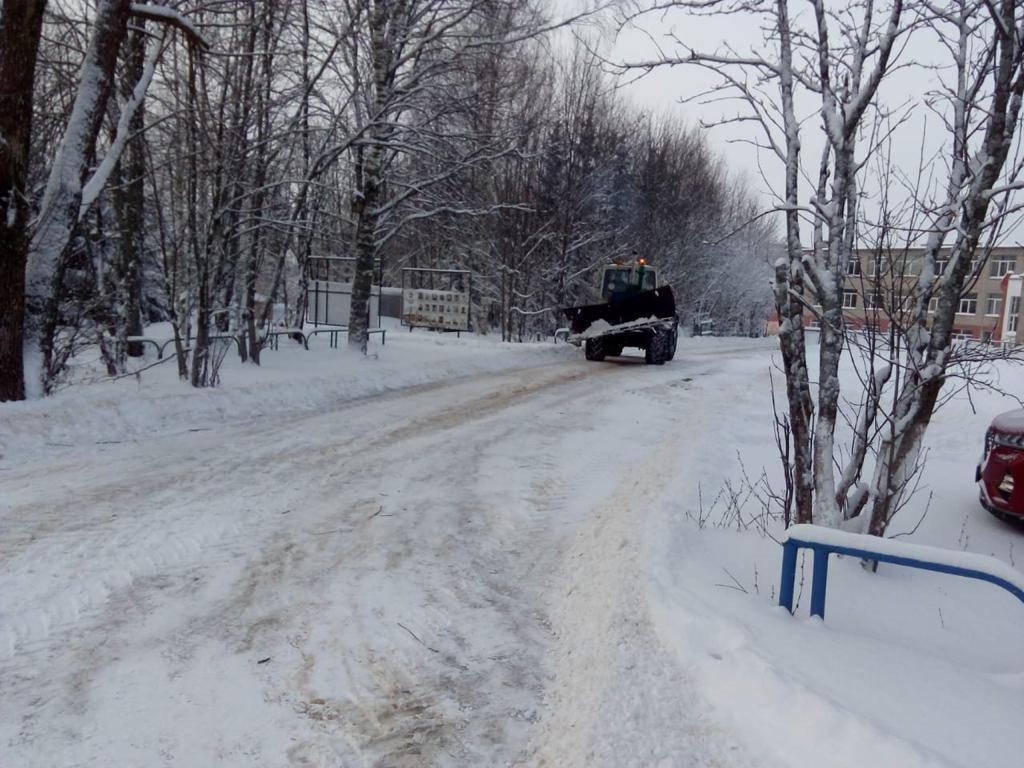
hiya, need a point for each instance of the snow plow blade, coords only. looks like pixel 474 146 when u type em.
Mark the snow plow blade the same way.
pixel 600 329
pixel 658 303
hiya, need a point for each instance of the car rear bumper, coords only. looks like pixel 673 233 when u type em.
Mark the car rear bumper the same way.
pixel 997 509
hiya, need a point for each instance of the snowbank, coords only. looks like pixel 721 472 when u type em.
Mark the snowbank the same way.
pixel 288 380
pixel 911 668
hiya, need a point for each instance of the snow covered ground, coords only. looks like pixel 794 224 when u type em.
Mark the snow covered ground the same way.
pixel 462 553
pixel 288 380
pixel 910 669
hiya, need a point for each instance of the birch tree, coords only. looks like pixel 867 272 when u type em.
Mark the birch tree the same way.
pixel 840 61
pixel 397 51
pixel 985 42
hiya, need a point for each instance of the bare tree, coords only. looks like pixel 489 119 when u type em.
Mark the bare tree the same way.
pixel 62 201
pixel 985 105
pixel 430 132
pixel 405 58
pixel 398 51
pixel 73 184
pixel 840 61
pixel 846 60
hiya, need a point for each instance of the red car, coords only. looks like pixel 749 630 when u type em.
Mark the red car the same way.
pixel 1000 475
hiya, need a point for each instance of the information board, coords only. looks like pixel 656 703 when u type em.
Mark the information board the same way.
pixel 436 298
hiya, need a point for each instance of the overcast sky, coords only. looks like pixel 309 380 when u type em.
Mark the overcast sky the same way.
pixel 664 89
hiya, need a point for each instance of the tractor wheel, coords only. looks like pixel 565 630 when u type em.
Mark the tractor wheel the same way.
pixel 673 340
pixel 657 351
pixel 594 349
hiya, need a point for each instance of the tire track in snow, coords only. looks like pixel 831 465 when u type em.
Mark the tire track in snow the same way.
pixel 619 698
pixel 371 695
pixel 113 554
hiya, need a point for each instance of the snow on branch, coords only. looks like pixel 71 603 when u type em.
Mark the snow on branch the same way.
pixel 172 17
pixel 99 179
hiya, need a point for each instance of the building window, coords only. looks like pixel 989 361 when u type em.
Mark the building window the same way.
pixel 940 266
pixel 849 299
pixel 993 305
pixel 933 304
pixel 873 300
pixel 853 267
pixel 874 266
pixel 1000 267
pixel 968 304
pixel 1014 313
pixel 986 337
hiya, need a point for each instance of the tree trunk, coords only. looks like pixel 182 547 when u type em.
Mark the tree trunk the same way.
pixel 366 206
pixel 130 204
pixel 201 350
pixel 789 289
pixel 829 289
pixel 20 29
pixel 366 249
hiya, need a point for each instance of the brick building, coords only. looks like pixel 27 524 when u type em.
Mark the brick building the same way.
pixel 876 289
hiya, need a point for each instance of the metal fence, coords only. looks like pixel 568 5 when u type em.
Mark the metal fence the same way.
pixel 330 291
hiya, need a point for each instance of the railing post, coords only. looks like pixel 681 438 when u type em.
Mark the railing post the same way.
pixel 788 578
pixel 820 583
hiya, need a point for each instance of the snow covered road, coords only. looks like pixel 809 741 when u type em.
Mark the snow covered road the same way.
pixel 444 575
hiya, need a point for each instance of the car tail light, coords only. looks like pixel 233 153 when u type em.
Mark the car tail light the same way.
pixel 990 441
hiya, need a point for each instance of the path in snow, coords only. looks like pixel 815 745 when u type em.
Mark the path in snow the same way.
pixel 446 575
